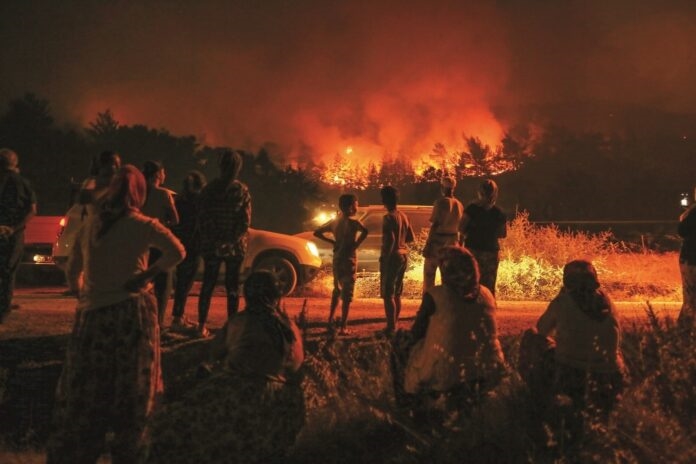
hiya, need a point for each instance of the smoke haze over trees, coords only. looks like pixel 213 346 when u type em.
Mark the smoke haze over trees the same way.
pixel 559 174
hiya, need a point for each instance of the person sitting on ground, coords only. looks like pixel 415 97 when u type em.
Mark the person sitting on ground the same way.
pixel 187 231
pixel 253 409
pixel 348 234
pixel 112 370
pixel 582 320
pixel 455 351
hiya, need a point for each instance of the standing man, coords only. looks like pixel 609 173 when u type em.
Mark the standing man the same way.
pixel 17 206
pixel 393 258
pixel 444 230
pixel 159 205
pixel 224 216
pixel 482 226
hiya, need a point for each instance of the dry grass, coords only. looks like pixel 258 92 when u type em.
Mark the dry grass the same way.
pixel 531 267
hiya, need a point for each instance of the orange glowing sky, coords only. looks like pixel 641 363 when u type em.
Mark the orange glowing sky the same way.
pixel 314 77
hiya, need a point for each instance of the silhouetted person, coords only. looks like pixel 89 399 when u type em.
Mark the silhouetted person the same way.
pixel 444 230
pixel 393 258
pixel 159 204
pixel 582 320
pixel 348 234
pixel 224 217
pixel 687 266
pixel 102 170
pixel 17 207
pixel 253 408
pixel 456 353
pixel 187 231
pixel 482 226
pixel 112 369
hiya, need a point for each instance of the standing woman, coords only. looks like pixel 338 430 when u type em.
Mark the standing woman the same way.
pixel 159 204
pixel 687 265
pixel 187 231
pixel 482 226
pixel 112 368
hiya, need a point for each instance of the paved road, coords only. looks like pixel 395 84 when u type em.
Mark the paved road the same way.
pixel 45 311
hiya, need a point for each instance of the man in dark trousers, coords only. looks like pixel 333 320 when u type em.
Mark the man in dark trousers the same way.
pixel 224 216
pixel 17 206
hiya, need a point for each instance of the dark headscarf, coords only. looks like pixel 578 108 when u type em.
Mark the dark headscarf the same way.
pixel 460 271
pixel 126 193
pixel 262 294
pixel 230 163
pixel 581 283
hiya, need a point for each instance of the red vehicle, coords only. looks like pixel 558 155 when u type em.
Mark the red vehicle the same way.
pixel 37 266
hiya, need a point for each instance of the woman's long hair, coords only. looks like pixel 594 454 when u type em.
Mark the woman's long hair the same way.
pixel 126 193
pixel 460 271
pixel 580 282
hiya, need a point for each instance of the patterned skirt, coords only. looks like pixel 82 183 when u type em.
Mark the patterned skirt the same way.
pixel 109 382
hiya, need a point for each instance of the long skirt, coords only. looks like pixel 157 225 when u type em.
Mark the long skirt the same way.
pixel 109 382
pixel 228 418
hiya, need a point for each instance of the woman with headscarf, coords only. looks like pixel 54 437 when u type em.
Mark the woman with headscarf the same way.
pixel 456 353
pixel 482 225
pixel 112 372
pixel 687 266
pixel 253 409
pixel 582 319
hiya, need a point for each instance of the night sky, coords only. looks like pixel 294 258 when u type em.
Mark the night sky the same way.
pixel 380 76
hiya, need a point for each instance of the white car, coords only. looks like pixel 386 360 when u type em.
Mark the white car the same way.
pixel 294 261
pixel 371 217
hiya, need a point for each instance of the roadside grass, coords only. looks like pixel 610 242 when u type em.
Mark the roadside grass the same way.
pixel 531 266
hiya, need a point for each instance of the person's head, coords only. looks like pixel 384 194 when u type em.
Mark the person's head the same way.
pixel 261 288
pixel 230 164
pixel 194 182
pixel 154 172
pixel 580 276
pixel 127 190
pixel 8 160
pixel 390 197
pixel 348 204
pixel 447 186
pixel 488 191
pixel 460 271
pixel 107 164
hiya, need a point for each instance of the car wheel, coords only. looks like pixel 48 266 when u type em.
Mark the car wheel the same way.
pixel 283 270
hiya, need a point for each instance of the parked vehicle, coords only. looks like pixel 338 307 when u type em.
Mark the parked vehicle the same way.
pixel 36 265
pixel 295 261
pixel 371 217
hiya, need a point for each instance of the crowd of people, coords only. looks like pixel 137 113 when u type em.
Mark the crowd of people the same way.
pixel 136 233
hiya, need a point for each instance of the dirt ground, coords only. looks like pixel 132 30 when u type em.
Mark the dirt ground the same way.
pixel 45 311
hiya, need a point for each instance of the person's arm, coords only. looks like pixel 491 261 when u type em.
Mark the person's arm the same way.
pixel 23 222
pixel 502 226
pixel 245 214
pixel 362 231
pixel 388 236
pixel 425 312
pixel 547 322
pixel 321 232
pixel 463 224
pixel 172 215
pixel 687 222
pixel 172 250
pixel 75 264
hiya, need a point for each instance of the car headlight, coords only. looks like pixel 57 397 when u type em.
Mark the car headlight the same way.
pixel 312 248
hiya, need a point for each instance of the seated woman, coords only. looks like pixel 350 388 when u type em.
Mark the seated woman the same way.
pixel 456 351
pixel 588 360
pixel 252 410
